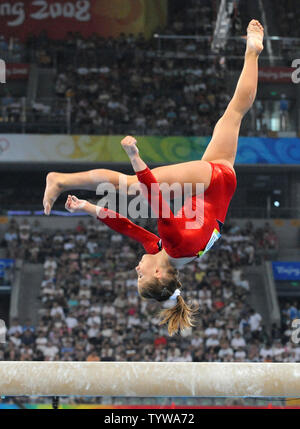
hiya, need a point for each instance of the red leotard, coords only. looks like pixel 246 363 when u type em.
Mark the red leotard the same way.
pixel 178 240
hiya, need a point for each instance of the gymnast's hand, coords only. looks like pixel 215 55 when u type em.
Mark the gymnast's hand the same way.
pixel 73 204
pixel 129 145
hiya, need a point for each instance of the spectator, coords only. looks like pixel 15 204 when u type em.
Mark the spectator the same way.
pixel 255 321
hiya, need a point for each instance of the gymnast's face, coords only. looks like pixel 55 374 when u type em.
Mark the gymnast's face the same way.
pixel 146 269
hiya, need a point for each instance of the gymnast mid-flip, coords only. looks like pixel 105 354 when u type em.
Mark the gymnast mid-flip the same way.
pixel 177 245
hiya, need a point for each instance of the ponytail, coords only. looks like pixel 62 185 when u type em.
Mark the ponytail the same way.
pixel 178 317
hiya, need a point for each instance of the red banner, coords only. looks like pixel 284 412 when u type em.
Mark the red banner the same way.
pixel 17 71
pixel 58 17
pixel 275 74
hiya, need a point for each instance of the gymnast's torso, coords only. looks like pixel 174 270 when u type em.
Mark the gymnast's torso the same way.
pixel 193 230
pixel 197 225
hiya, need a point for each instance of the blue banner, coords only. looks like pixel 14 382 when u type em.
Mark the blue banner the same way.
pixel 5 263
pixel 265 150
pixel 153 149
pixel 286 270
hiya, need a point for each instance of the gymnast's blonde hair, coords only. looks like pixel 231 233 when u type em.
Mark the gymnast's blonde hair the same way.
pixel 181 315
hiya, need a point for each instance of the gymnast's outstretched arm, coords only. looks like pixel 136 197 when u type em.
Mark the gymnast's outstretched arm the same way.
pixel 115 221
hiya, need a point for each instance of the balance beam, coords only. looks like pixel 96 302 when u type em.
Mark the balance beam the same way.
pixel 149 379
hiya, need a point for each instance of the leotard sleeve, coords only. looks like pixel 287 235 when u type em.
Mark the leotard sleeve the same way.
pixel 169 227
pixel 153 194
pixel 124 226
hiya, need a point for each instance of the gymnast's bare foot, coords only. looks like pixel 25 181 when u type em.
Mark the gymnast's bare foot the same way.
pixel 255 35
pixel 54 188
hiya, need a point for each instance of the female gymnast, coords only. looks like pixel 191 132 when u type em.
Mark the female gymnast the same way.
pixel 158 269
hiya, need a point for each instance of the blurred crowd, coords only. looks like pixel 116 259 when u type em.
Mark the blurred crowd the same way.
pixel 288 18
pixel 90 309
pixel 132 85
pixel 151 86
pixel 146 96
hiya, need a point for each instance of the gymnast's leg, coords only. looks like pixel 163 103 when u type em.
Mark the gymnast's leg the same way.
pixel 223 146
pixel 186 172
pixel 56 183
